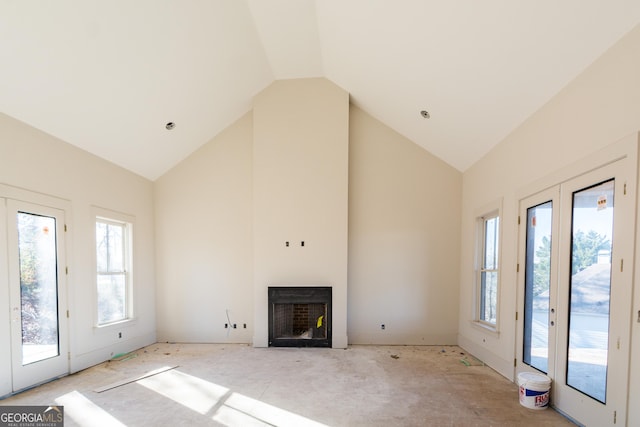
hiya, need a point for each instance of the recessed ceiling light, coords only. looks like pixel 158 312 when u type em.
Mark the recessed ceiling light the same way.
pixel 170 125
pixel 425 114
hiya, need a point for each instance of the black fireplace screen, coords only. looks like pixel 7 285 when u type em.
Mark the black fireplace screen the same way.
pixel 300 316
pixel 300 321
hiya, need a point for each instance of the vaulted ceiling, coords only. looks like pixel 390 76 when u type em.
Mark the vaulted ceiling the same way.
pixel 107 76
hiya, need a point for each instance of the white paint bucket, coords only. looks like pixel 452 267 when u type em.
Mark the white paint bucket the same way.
pixel 534 390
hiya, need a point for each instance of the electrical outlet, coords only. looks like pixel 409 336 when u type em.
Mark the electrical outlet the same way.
pixel 119 334
pixel 245 325
pixel 382 326
pixel 235 326
pixel 226 325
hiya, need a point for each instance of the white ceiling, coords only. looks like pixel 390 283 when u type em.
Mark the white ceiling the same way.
pixel 107 76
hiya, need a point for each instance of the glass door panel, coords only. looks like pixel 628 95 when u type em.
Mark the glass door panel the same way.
pixel 539 217
pixel 590 289
pixel 537 286
pixel 38 287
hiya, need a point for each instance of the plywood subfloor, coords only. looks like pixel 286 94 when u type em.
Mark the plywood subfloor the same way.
pixel 237 385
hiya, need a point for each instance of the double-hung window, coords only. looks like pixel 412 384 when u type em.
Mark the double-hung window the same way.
pixel 113 247
pixel 488 269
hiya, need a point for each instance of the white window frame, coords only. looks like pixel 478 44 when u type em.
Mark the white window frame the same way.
pixel 489 212
pixel 105 216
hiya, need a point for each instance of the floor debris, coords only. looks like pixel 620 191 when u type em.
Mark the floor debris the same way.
pixel 134 379
pixel 121 357
pixel 469 360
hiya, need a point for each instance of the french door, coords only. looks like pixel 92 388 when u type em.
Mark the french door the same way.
pixel 37 299
pixel 574 292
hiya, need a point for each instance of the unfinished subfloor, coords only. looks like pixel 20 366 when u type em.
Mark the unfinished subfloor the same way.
pixel 238 385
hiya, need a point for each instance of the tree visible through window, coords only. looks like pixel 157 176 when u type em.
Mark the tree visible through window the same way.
pixel 112 271
pixel 488 271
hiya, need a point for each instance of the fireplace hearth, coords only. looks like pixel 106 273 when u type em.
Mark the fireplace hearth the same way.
pixel 300 316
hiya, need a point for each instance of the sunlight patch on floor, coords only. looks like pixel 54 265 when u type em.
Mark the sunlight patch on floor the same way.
pixel 228 408
pixel 85 412
pixel 194 393
pixel 267 413
pixel 230 417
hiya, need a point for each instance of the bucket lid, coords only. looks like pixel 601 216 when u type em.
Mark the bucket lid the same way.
pixel 533 379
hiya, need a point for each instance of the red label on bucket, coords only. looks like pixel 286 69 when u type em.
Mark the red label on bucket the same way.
pixel 541 398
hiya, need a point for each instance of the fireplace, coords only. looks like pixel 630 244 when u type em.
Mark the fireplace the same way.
pixel 300 316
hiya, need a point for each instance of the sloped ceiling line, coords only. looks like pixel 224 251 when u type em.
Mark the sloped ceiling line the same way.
pixel 108 76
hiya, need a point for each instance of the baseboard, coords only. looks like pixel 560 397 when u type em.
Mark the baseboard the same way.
pixel 92 358
pixel 498 364
pixel 382 338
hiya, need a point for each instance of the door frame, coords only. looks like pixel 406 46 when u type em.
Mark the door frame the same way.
pixel 619 335
pixel 624 154
pixel 8 192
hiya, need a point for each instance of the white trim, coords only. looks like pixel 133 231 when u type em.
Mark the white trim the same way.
pixel 624 151
pixel 108 216
pixel 490 210
pixel 19 194
pixel 623 148
pixel 29 196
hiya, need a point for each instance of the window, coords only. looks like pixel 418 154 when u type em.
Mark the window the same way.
pixel 488 272
pixel 112 270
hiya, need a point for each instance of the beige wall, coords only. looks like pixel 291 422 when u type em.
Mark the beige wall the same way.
pixel 595 110
pixel 300 193
pixel 204 241
pixel 36 165
pixel 404 228
pixel 403 234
